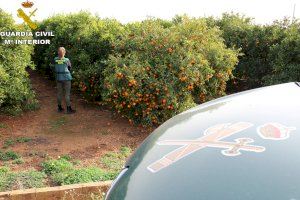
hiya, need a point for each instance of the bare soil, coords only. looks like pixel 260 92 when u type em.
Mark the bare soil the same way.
pixel 85 135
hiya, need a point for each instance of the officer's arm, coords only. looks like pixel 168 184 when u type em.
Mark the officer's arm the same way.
pixel 69 65
pixel 52 64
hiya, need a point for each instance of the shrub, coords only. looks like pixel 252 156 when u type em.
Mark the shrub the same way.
pixel 15 92
pixel 53 166
pixel 157 72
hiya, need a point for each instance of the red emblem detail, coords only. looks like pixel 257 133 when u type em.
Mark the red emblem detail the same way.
pixel 274 131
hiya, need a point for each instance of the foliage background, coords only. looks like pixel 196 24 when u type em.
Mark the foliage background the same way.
pixel 149 71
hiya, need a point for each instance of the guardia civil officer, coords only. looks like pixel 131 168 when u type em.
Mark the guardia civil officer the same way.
pixel 62 67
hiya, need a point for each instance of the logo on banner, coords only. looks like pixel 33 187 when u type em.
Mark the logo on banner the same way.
pixel 27 18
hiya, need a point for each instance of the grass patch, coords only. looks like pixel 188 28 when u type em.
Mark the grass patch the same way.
pixel 9 155
pixel 76 162
pixel 7 143
pixel 4 170
pixel 57 123
pixel 63 172
pixel 66 157
pixel 82 175
pixel 18 161
pixel 60 171
pixel 114 161
pixel 3 126
pixel 20 180
pixel 54 166
pixel 11 142
pixel 23 139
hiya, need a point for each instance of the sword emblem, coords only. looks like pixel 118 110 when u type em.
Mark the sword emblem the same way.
pixel 26 18
pixel 212 138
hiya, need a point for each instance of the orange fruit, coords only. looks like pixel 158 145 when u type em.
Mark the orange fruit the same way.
pixel 119 75
pixel 190 87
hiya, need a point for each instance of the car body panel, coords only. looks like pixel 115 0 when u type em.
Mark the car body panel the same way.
pixel 207 173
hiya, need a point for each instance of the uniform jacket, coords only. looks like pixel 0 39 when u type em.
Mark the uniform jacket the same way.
pixel 62 68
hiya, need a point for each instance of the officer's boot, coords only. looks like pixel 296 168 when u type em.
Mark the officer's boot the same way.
pixel 60 108
pixel 70 110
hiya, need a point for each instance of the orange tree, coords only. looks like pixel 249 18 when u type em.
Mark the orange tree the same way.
pixel 254 43
pixel 88 41
pixel 285 55
pixel 15 92
pixel 158 71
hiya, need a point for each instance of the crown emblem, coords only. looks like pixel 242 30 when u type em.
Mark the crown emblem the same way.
pixel 27 4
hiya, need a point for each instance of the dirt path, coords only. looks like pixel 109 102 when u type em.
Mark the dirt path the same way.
pixel 85 135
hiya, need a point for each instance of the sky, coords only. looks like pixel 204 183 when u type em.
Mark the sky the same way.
pixel 263 11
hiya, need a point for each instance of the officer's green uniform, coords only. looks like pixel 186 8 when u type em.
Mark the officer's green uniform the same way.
pixel 63 79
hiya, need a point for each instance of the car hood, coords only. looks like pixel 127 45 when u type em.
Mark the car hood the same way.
pixel 243 146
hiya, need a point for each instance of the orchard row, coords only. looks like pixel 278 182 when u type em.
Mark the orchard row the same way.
pixel 151 70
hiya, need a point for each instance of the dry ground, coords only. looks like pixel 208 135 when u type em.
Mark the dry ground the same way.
pixel 85 136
